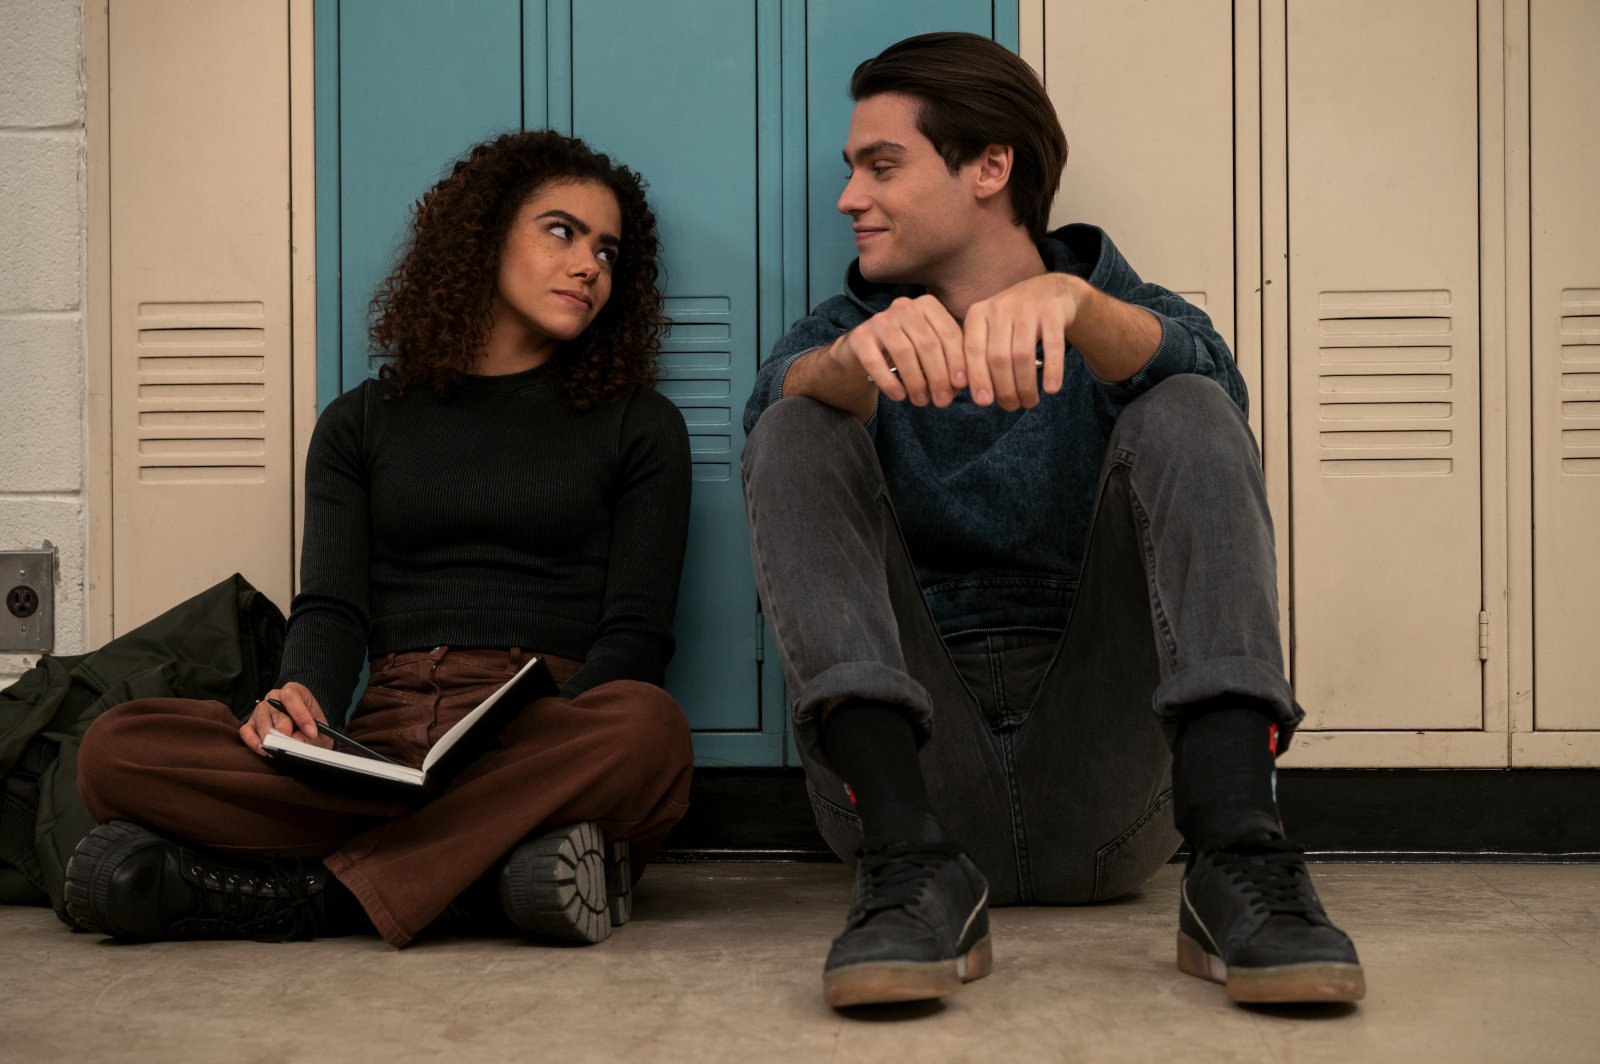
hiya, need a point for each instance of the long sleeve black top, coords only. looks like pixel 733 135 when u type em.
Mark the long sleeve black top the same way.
pixel 498 517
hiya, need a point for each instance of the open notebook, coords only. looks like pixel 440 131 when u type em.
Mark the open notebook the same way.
pixel 455 749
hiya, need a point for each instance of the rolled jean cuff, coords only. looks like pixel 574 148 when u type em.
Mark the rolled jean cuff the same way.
pixel 863 681
pixel 1216 678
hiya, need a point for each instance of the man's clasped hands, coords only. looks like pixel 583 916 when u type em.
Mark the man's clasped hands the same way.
pixel 917 350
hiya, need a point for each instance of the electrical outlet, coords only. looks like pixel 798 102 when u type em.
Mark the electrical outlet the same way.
pixel 28 584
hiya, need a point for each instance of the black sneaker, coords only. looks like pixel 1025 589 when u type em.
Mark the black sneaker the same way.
pixel 918 927
pixel 130 883
pixel 1250 918
pixel 568 884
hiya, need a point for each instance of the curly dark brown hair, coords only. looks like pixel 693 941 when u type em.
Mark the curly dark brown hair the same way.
pixel 431 315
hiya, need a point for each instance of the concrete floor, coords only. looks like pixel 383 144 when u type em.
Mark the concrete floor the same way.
pixel 722 962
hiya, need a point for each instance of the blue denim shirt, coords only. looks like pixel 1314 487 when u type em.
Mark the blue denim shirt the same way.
pixel 995 505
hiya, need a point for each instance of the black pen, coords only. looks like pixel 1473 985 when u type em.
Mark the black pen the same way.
pixel 336 736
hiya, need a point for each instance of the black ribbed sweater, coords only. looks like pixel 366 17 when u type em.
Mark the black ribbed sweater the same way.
pixel 500 517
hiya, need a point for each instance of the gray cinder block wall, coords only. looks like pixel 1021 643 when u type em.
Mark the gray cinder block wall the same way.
pixel 42 286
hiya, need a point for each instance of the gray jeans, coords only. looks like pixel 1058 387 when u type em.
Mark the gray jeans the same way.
pixel 1042 756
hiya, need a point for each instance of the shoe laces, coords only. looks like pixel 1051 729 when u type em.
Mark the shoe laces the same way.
pixel 892 876
pixel 1273 873
pixel 273 904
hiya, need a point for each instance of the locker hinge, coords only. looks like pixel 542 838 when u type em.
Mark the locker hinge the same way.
pixel 1483 636
pixel 761 638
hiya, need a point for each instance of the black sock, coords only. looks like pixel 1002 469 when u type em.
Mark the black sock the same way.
pixel 1223 775
pixel 874 749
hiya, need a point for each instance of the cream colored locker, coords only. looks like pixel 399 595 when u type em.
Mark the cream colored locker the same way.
pixel 1565 176
pixel 1145 94
pixel 200 310
pixel 1386 486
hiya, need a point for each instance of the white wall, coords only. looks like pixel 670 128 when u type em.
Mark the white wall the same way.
pixel 42 283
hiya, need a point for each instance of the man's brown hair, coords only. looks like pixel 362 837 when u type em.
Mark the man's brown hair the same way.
pixel 974 93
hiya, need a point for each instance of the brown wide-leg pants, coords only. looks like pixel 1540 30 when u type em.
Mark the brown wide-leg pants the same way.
pixel 618 755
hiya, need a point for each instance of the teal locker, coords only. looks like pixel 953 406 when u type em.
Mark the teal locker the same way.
pixel 735 112
pixel 695 142
pixel 418 83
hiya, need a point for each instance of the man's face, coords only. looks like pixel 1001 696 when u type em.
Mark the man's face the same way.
pixel 910 214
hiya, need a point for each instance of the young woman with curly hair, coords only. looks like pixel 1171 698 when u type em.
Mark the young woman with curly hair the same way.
pixel 509 486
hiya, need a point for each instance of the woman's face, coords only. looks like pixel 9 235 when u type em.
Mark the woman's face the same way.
pixel 555 268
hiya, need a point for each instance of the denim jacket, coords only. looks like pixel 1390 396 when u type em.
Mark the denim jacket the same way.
pixel 995 505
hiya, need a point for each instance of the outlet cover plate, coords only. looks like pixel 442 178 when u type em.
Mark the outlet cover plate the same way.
pixel 28 579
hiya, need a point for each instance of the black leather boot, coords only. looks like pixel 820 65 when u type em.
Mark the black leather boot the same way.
pixel 130 883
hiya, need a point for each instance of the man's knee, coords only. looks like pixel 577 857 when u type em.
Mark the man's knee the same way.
pixel 1187 417
pixel 796 428
pixel 798 419
pixel 1186 398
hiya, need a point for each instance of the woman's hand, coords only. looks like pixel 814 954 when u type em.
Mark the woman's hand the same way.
pixel 298 718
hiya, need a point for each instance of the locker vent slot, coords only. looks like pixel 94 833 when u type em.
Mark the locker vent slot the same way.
pixel 696 416
pixel 1383 330
pixel 692 362
pixel 202 474
pixel 1386 467
pixel 1359 440
pixel 1336 356
pixel 1400 299
pixel 212 311
pixel 1385 408
pixel 202 447
pixel 696 374
pixel 1580 385
pixel 158 339
pixel 694 388
pixel 1384 411
pixel 1387 382
pixel 202 393
pixel 1585 328
pixel 197 419
pixel 1197 298
pixel 183 365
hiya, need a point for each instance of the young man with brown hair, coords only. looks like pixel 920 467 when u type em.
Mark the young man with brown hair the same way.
pixel 1004 500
